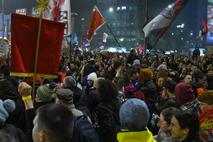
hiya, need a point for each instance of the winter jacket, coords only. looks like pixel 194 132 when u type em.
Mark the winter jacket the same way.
pixel 107 123
pixel 142 136
pixel 206 125
pixel 164 137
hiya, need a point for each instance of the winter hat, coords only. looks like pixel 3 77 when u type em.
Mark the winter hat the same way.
pixel 145 75
pixel 92 76
pixel 65 95
pixel 184 93
pixel 6 107
pixel 69 82
pixel 44 93
pixel 136 62
pixel 163 66
pixel 134 115
pixel 207 97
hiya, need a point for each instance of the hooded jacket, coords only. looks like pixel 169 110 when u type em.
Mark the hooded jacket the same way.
pixel 142 136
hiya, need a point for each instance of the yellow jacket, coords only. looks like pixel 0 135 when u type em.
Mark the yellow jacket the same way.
pixel 142 136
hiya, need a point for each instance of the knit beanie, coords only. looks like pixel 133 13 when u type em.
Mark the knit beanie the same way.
pixel 92 76
pixel 134 115
pixel 184 93
pixel 44 93
pixel 6 107
pixel 163 66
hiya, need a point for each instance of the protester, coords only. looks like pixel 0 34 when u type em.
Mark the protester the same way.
pixel 205 118
pixel 134 116
pixel 107 111
pixel 164 134
pixel 185 127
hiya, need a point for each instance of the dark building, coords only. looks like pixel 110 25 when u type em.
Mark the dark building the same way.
pixel 12 5
pixel 122 17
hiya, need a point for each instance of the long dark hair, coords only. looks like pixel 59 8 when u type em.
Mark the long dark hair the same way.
pixel 190 121
pixel 168 113
pixel 106 90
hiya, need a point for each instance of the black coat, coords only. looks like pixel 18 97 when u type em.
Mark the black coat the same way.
pixel 14 133
pixel 108 121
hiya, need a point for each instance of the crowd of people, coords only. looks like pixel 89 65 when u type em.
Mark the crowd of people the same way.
pixel 111 97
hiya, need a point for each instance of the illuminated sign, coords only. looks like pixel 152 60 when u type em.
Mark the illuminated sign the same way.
pixel 22 11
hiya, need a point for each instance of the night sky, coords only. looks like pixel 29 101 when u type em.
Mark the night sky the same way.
pixel 191 16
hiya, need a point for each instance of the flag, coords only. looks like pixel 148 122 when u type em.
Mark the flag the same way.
pixel 97 21
pixel 60 10
pixel 74 39
pixel 140 49
pixel 65 15
pixel 86 43
pixel 203 29
pixel 105 36
pixel 24 30
pixel 163 21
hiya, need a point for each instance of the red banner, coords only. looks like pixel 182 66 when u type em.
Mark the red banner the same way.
pixel 97 21
pixel 24 30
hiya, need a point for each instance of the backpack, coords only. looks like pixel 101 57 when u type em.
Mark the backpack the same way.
pixel 192 107
pixel 84 130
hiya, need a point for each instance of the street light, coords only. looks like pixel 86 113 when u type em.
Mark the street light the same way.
pixel 191 33
pixel 170 6
pixel 111 9
pixel 121 39
pixel 181 26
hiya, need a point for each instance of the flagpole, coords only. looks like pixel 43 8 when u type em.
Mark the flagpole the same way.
pixel 146 21
pixel 37 51
pixel 113 35
pixel 2 12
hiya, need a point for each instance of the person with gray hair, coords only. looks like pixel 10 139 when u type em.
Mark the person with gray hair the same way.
pixel 134 116
pixel 65 97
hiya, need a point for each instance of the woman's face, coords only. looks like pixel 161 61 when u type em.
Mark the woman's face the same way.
pixel 160 82
pixel 163 124
pixel 176 131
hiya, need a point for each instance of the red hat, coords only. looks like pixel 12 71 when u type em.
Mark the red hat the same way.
pixel 184 93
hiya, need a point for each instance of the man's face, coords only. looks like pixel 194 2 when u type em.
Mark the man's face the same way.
pixel 38 135
pixel 188 79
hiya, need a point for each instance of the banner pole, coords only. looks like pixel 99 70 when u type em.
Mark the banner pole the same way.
pixel 37 52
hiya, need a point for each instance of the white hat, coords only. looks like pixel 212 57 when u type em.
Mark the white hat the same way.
pixel 92 76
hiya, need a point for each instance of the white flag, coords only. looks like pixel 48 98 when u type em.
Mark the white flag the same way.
pixel 105 36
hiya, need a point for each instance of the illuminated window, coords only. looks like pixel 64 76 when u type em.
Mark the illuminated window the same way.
pixel 21 11
pixel 123 8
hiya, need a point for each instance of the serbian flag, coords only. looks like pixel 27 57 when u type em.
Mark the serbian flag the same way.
pixel 24 30
pixel 203 29
pixel 97 21
pixel 160 24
